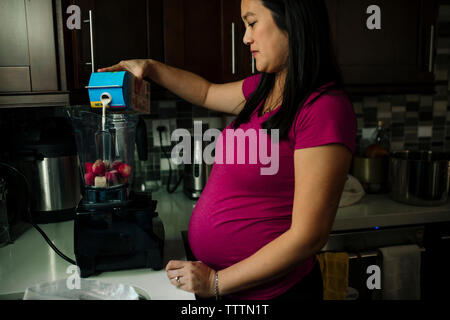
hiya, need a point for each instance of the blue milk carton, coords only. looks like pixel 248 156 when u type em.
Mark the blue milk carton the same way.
pixel 121 86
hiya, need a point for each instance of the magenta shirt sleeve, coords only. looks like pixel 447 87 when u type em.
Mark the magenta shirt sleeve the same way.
pixel 329 119
pixel 250 84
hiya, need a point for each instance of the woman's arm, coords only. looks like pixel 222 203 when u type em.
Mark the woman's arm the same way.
pixel 227 98
pixel 320 175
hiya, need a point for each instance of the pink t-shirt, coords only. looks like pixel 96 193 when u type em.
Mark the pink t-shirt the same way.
pixel 241 210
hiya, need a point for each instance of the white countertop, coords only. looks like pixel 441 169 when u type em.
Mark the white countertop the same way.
pixel 381 211
pixel 30 260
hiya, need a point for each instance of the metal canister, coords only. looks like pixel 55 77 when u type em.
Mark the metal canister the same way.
pixel 372 173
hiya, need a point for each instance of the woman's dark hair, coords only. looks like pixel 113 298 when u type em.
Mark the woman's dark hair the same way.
pixel 311 63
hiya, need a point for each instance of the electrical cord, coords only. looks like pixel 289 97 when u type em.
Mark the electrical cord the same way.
pixel 50 243
pixel 169 190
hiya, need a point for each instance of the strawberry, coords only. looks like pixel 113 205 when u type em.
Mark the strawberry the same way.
pixel 116 164
pixel 88 166
pixel 89 178
pixel 98 168
pixel 125 170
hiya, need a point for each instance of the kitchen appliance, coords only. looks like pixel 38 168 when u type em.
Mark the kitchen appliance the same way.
pixel 419 177
pixel 115 228
pixel 196 172
pixel 372 173
pixel 45 153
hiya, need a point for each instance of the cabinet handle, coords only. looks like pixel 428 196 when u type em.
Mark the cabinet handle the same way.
pixel 233 51
pixel 430 66
pixel 91 35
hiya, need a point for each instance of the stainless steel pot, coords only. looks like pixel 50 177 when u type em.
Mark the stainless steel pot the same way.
pixel 54 182
pixel 47 157
pixel 419 177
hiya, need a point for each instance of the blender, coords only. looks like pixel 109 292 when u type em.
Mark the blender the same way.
pixel 114 228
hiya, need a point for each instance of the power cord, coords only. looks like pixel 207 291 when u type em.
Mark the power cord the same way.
pixel 50 243
pixel 161 129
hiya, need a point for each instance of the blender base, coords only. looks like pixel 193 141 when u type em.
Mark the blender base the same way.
pixel 118 238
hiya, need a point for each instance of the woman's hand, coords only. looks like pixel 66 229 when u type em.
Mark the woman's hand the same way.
pixel 137 67
pixel 193 276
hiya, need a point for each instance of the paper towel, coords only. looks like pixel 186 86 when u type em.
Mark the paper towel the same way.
pixel 352 193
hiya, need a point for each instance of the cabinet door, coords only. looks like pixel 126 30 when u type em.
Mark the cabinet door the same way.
pixel 208 42
pixel 77 45
pixel 15 61
pixel 397 55
pixel 237 61
pixel 192 36
pixel 121 31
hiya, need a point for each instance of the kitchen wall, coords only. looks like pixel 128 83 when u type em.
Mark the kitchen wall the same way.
pixel 416 122
pixel 180 114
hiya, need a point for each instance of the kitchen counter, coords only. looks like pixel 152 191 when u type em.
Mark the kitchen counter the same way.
pixel 30 260
pixel 381 211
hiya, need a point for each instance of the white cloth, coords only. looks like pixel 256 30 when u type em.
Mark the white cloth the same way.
pixel 353 192
pixel 400 272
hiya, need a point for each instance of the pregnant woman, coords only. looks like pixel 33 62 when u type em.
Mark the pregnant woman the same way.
pixel 255 233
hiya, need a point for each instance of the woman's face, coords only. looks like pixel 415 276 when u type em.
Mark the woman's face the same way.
pixel 268 43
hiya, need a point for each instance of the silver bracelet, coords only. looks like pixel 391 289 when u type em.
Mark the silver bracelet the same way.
pixel 216 286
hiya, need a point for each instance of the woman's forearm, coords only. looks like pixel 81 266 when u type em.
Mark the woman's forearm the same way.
pixel 272 261
pixel 185 84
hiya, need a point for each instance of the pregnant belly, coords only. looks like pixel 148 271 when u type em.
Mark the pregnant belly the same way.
pixel 220 244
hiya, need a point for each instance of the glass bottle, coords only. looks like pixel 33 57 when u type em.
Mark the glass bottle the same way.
pixel 380 136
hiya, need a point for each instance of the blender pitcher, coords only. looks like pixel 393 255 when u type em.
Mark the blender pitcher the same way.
pixel 106 178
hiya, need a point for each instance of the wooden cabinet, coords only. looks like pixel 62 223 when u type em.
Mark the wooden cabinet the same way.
pixel 191 36
pixel 206 38
pixel 398 57
pixel 207 41
pixel 237 61
pixel 120 31
pixel 30 63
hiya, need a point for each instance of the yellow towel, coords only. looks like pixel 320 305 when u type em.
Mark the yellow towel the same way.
pixel 334 267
